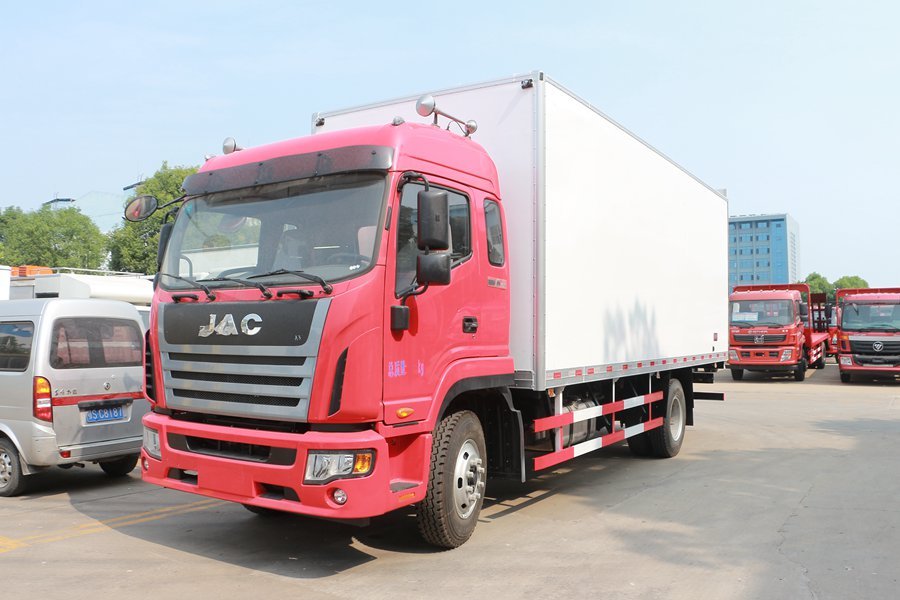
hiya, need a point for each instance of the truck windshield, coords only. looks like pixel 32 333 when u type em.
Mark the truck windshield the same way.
pixel 761 313
pixel 325 227
pixel 870 316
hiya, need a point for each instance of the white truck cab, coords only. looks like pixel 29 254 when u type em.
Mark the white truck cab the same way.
pixel 70 386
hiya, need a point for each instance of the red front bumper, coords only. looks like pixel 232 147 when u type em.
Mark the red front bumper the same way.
pixel 278 484
pixel 762 358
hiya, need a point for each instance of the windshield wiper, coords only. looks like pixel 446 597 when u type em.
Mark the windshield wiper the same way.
pixel 209 295
pixel 884 326
pixel 265 291
pixel 326 287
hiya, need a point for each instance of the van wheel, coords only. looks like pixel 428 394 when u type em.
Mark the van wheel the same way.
pixel 12 482
pixel 119 467
pixel 666 440
pixel 448 514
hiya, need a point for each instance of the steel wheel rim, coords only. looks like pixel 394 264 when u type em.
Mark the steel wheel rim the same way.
pixel 468 479
pixel 6 468
pixel 676 419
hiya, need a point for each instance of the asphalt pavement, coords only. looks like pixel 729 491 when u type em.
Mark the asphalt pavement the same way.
pixel 785 490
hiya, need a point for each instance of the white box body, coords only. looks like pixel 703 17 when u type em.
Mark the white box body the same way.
pixel 618 256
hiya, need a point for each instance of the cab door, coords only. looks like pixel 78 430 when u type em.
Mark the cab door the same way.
pixel 447 323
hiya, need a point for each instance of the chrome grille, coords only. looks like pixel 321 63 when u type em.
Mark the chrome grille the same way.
pixel 768 338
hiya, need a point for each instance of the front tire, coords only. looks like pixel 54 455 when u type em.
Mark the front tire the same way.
pixel 448 514
pixel 666 440
pixel 119 467
pixel 800 373
pixel 820 364
pixel 737 374
pixel 845 377
pixel 12 481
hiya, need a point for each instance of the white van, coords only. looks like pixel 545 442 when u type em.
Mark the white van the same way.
pixel 70 387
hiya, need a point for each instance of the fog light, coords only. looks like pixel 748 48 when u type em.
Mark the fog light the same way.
pixel 146 464
pixel 847 361
pixel 732 355
pixel 339 496
pixel 786 355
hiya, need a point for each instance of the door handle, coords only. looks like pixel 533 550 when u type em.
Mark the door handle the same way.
pixel 470 324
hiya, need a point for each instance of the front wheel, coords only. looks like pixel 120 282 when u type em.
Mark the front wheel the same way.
pixel 666 440
pixel 12 481
pixel 119 467
pixel 800 373
pixel 449 512
pixel 845 377
pixel 737 374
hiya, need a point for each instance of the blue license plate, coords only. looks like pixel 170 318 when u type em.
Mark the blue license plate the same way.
pixel 102 415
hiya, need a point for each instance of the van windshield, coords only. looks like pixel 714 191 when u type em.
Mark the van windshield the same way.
pixel 90 342
pixel 326 227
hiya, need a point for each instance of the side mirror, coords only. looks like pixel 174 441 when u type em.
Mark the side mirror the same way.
pixel 165 232
pixel 804 310
pixel 433 220
pixel 433 269
pixel 140 208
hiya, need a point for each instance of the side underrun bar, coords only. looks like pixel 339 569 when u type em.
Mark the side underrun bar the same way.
pixel 564 420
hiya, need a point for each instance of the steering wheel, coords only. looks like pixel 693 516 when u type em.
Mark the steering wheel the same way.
pixel 348 258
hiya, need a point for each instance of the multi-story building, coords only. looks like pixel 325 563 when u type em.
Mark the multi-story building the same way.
pixel 763 249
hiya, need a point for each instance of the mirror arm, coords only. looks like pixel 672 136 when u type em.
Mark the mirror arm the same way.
pixel 414 290
pixel 412 176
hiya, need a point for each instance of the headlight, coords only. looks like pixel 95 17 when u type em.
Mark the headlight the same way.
pixel 847 361
pixel 733 355
pixel 322 466
pixel 786 355
pixel 151 442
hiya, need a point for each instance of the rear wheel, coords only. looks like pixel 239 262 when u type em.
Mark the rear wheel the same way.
pixel 800 373
pixel 737 374
pixel 845 377
pixel 820 363
pixel 448 514
pixel 119 467
pixel 12 481
pixel 666 440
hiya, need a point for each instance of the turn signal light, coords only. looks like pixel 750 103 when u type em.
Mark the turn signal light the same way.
pixel 404 412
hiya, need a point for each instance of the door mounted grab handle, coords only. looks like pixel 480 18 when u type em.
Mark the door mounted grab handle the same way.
pixel 470 324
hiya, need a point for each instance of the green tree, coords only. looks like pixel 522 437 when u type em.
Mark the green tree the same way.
pixel 8 217
pixel 53 238
pixel 850 281
pixel 819 285
pixel 133 246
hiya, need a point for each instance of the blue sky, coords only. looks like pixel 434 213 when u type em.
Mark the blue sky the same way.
pixel 791 106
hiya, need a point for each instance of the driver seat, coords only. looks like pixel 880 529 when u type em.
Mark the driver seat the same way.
pixel 293 251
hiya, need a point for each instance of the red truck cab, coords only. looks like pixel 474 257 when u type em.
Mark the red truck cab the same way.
pixel 868 332
pixel 772 330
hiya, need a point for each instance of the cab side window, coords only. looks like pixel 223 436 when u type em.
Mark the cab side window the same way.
pixel 15 345
pixel 494 228
pixel 407 250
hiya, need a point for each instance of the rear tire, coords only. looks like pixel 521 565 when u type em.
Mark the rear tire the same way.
pixel 12 481
pixel 120 467
pixel 820 364
pixel 737 374
pixel 640 444
pixel 845 377
pixel 800 373
pixel 448 514
pixel 666 440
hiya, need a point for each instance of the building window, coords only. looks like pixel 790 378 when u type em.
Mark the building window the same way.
pixel 745 225
pixel 762 238
pixel 762 224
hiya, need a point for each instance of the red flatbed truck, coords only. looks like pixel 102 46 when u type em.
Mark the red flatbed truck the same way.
pixel 868 332
pixel 776 328
pixel 359 321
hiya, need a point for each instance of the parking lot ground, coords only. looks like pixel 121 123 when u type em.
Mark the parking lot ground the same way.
pixel 786 490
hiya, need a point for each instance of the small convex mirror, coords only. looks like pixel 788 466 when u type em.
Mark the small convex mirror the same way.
pixel 140 208
pixel 433 220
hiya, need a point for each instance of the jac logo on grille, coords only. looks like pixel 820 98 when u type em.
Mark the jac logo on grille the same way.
pixel 878 346
pixel 250 325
